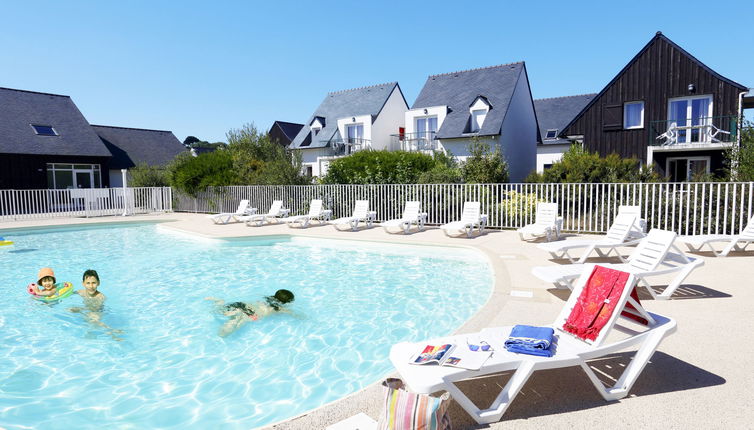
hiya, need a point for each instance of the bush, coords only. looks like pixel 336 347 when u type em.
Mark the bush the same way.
pixel 445 171
pixel 148 176
pixel 378 167
pixel 581 166
pixel 193 174
pixel 257 160
pixel 741 159
pixel 484 166
pixel 519 204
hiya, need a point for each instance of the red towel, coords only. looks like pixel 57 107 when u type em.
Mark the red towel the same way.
pixel 597 302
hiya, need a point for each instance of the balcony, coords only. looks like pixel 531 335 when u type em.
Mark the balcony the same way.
pixel 415 142
pixel 350 145
pixel 698 133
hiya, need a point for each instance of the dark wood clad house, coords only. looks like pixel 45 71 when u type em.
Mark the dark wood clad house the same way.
pixel 283 132
pixel 666 108
pixel 45 142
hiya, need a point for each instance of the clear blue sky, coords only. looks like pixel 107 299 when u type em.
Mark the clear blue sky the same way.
pixel 202 68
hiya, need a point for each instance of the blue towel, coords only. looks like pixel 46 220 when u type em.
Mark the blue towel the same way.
pixel 526 339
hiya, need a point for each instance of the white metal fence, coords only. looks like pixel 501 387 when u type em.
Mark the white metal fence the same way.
pixel 687 208
pixel 83 202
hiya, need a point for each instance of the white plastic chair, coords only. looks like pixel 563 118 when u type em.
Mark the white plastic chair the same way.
pixel 276 211
pixel 226 217
pixel 361 213
pixel 652 257
pixel 570 351
pixel 618 235
pixel 316 212
pixel 471 217
pixel 737 242
pixel 410 216
pixel 547 223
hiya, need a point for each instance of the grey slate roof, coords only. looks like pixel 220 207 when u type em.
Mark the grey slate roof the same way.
pixel 20 108
pixel 458 90
pixel 289 129
pixel 343 104
pixel 132 146
pixel 557 112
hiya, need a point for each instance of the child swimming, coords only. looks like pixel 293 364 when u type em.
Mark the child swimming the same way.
pixel 239 313
pixel 46 280
pixel 93 298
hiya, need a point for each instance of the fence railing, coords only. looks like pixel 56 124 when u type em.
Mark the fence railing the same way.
pixel 83 202
pixel 686 208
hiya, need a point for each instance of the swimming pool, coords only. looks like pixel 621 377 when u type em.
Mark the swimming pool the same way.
pixel 171 369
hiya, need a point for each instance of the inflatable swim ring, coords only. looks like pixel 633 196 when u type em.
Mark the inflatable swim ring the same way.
pixel 4 242
pixel 61 291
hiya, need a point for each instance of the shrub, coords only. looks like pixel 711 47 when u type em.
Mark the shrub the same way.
pixel 741 159
pixel 519 204
pixel 445 171
pixel 257 160
pixel 144 175
pixel 193 174
pixel 378 167
pixel 484 166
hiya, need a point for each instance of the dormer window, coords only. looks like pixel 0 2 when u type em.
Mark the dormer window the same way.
pixel 551 134
pixel 478 110
pixel 477 119
pixel 316 130
pixel 44 130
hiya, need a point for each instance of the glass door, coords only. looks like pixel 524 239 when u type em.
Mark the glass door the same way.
pixel 83 178
pixel 691 116
pixel 685 169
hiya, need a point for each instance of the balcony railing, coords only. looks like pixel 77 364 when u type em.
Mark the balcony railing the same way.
pixel 350 145
pixel 694 132
pixel 422 141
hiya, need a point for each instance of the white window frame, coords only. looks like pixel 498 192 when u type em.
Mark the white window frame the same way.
pixel 689 106
pixel 554 137
pixel 625 115
pixel 476 114
pixel 689 158
pixel 54 132
pixel 95 172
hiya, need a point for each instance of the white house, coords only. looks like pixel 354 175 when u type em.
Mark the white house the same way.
pixel 553 115
pixel 349 121
pixel 491 103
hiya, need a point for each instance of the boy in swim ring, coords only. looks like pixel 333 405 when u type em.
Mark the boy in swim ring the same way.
pixel 93 298
pixel 239 313
pixel 46 280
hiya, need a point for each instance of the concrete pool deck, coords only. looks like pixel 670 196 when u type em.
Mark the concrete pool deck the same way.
pixel 700 377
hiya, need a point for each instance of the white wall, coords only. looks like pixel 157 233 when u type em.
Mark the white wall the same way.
pixel 310 157
pixel 389 120
pixel 548 154
pixel 519 133
pixel 459 148
pixel 365 120
pixel 439 111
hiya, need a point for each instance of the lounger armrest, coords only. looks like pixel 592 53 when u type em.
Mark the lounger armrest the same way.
pixel 284 212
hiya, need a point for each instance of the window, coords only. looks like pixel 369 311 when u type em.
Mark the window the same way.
pixel 686 168
pixel 546 166
pixel 477 119
pixel 44 130
pixel 355 133
pixel 308 171
pixel 692 116
pixel 316 131
pixel 426 127
pixel 633 115
pixel 64 176
pixel 551 134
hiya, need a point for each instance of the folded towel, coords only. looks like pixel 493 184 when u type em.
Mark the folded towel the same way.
pixel 526 339
pixel 597 302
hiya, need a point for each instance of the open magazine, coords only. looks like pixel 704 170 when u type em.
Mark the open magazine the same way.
pixel 451 355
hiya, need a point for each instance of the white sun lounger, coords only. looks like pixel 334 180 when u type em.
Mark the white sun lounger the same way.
pixel 737 242
pixel 316 212
pixel 617 236
pixel 570 351
pixel 411 216
pixel 226 217
pixel 361 213
pixel 639 229
pixel 470 217
pixel 652 257
pixel 547 223
pixel 276 211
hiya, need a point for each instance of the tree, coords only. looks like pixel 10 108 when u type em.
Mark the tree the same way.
pixel 189 140
pixel 444 171
pixel 257 160
pixel 378 167
pixel 144 175
pixel 484 166
pixel 581 166
pixel 741 159
pixel 193 174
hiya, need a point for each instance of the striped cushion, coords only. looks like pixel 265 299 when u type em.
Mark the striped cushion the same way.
pixel 409 411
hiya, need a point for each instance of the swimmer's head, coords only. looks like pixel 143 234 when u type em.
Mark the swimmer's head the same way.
pixel 90 273
pixel 284 296
pixel 45 272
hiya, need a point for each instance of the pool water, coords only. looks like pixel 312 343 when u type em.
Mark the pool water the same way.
pixel 170 369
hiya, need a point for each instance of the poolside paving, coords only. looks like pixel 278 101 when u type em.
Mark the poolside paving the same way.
pixel 700 377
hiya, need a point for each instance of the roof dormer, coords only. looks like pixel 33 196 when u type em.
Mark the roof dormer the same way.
pixel 478 110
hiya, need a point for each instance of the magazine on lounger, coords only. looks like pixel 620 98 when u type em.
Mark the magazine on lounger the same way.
pixel 451 355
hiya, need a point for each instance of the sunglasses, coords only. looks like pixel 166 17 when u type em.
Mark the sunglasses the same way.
pixel 484 346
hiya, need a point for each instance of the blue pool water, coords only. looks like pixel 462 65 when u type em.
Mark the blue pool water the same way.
pixel 170 369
